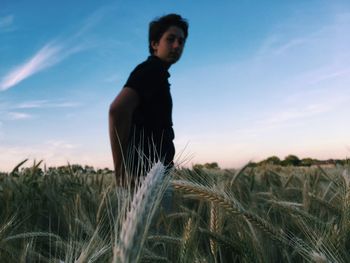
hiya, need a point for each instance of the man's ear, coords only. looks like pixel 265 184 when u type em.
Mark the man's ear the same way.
pixel 154 45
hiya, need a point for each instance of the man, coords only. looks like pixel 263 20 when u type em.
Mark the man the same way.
pixel 140 117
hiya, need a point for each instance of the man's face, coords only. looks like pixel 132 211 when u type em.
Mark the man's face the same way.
pixel 170 46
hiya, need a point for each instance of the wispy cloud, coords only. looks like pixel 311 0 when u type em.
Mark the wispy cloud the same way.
pixel 95 18
pixel 32 104
pixel 64 105
pixel 52 52
pixel 38 104
pixel 289 45
pixel 289 61
pixel 306 105
pixel 19 116
pixel 277 45
pixel 296 113
pixel 292 113
pixel 60 144
pixel 330 74
pixel 44 58
pixel 14 112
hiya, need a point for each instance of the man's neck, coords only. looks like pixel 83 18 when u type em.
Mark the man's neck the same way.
pixel 166 65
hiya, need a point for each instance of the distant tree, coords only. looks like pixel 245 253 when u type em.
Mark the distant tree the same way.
pixel 330 161
pixel 253 164
pixel 89 169
pixel 213 165
pixel 340 162
pixel 197 166
pixel 273 160
pixel 104 170
pixel 307 162
pixel 291 160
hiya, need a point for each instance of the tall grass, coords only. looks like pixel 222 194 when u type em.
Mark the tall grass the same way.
pixel 262 214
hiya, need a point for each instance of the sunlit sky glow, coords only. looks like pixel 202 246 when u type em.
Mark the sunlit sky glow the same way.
pixel 257 78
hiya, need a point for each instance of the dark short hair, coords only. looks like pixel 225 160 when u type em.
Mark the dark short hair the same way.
pixel 160 25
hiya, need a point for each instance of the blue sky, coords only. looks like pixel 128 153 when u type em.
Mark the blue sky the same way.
pixel 257 78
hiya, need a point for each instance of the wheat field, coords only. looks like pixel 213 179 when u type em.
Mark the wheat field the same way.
pixel 256 214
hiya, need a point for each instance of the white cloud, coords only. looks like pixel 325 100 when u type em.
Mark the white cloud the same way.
pixel 321 45
pixel 297 113
pixel 48 56
pixel 51 53
pixel 330 74
pixel 10 112
pixel 31 104
pixel 46 104
pixel 60 144
pixel 94 19
pixel 64 104
pixel 303 107
pixel 44 58
pixel 19 116
pixel 278 45
pixel 290 44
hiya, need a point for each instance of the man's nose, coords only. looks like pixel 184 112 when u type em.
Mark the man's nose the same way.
pixel 177 44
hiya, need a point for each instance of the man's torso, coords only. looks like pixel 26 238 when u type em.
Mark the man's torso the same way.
pixel 152 119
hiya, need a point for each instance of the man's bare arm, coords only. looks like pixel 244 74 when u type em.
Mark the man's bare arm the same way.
pixel 120 120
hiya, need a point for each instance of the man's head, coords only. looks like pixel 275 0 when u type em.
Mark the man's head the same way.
pixel 167 36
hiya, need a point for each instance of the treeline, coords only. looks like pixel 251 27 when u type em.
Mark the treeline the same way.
pixel 290 160
pixel 213 165
pixel 40 169
pixel 293 160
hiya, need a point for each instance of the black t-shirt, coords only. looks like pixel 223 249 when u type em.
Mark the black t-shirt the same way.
pixel 152 119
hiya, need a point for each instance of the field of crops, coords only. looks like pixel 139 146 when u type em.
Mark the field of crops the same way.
pixel 256 214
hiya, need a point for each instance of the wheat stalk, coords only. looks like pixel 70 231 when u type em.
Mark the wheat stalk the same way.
pixel 167 239
pixel 223 240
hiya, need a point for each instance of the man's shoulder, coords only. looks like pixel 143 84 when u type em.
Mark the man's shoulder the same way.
pixel 150 73
pixel 150 66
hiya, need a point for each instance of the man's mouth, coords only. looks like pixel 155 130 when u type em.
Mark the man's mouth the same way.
pixel 174 55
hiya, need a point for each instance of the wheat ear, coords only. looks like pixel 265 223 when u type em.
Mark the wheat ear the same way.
pixel 186 238
pixel 231 206
pixel 138 219
pixel 214 227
